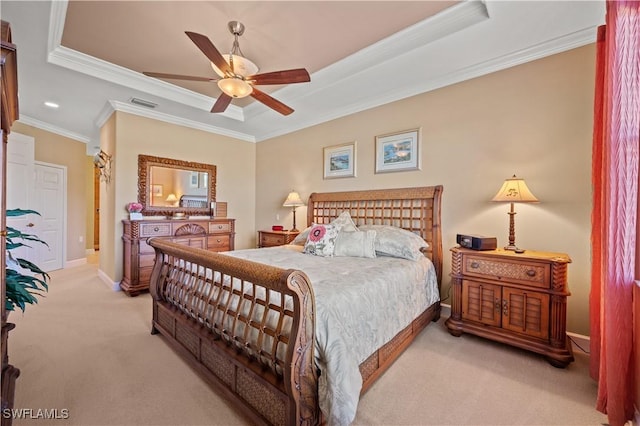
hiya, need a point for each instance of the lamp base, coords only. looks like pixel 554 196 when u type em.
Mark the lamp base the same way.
pixel 514 248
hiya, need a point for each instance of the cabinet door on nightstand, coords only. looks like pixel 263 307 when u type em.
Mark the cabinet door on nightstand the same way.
pixel 526 312
pixel 481 302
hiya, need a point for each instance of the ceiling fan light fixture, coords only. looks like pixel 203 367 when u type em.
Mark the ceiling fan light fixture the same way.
pixel 241 66
pixel 235 87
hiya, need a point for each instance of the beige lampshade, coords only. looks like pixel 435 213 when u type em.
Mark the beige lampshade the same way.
pixel 172 198
pixel 515 190
pixel 293 200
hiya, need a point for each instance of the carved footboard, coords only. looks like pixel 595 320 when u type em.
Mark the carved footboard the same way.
pixel 248 328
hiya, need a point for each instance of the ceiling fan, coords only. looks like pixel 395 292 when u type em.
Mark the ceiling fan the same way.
pixel 238 76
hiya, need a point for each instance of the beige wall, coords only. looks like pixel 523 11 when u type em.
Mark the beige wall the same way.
pixel 125 136
pixel 533 120
pixel 89 191
pixel 110 254
pixel 55 149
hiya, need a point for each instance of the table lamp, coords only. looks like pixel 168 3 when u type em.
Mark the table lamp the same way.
pixel 293 200
pixel 514 190
pixel 172 199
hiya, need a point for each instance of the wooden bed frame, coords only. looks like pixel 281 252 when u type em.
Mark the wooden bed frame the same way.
pixel 275 380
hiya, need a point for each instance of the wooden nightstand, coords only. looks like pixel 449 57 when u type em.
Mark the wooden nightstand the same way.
pixel 517 299
pixel 275 238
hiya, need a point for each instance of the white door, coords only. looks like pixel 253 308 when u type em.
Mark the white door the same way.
pixel 20 184
pixel 49 199
pixel 40 187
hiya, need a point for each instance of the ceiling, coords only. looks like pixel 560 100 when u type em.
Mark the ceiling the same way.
pixel 88 56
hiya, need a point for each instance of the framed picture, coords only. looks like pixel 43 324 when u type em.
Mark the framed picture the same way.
pixel 398 152
pixel 156 190
pixel 193 180
pixel 340 161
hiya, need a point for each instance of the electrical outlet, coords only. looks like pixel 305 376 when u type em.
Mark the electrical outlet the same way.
pixel 277 216
pixel 81 239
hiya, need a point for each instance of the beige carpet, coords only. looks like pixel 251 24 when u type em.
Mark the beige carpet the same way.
pixel 88 349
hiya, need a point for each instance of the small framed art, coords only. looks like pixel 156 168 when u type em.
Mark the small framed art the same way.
pixel 156 190
pixel 398 152
pixel 340 161
pixel 193 180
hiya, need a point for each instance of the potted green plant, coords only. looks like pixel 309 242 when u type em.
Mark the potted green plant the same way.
pixel 24 279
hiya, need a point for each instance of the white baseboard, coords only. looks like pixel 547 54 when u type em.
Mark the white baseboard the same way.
pixel 445 310
pixel 75 262
pixel 580 340
pixel 114 286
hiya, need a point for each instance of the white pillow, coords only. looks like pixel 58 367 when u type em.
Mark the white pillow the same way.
pixel 355 244
pixel 301 238
pixel 321 240
pixel 396 242
pixel 344 222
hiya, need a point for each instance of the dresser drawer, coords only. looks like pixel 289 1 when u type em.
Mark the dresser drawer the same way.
pixel 521 272
pixel 218 243
pixel 219 228
pixel 155 229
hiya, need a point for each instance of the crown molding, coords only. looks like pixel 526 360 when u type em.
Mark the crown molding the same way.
pixel 168 118
pixel 107 71
pixel 29 121
pixel 345 77
pixel 416 36
pixel 541 50
pixel 98 68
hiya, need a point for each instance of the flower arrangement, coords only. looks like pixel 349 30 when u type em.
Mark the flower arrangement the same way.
pixel 134 207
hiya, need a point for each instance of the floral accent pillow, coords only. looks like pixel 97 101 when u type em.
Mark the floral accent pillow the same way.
pixel 343 222
pixel 321 240
pixel 396 242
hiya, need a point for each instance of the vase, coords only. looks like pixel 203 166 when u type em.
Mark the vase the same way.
pixel 135 216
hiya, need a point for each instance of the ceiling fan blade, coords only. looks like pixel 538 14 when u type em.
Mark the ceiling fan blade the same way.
pixel 177 76
pixel 299 75
pixel 210 51
pixel 222 103
pixel 271 102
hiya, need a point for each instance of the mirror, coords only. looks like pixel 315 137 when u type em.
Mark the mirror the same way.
pixel 167 186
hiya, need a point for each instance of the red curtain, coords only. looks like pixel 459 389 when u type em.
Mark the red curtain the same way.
pixel 615 156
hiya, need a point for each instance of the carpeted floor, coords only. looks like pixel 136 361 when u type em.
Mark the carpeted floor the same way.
pixel 88 350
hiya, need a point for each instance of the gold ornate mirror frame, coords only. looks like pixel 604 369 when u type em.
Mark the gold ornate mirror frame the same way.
pixel 145 165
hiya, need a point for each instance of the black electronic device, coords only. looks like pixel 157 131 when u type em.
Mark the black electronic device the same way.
pixel 477 242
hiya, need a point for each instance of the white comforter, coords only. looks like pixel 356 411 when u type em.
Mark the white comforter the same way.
pixel 360 305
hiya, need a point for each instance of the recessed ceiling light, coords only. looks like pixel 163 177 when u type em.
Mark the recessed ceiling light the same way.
pixel 52 104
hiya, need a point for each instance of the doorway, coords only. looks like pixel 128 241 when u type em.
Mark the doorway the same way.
pixel 41 187
pixel 96 208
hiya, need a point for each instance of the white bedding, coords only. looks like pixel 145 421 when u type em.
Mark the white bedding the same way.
pixel 361 304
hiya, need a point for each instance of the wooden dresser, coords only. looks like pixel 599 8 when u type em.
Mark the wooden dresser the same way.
pixel 517 299
pixel 210 234
pixel 275 238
